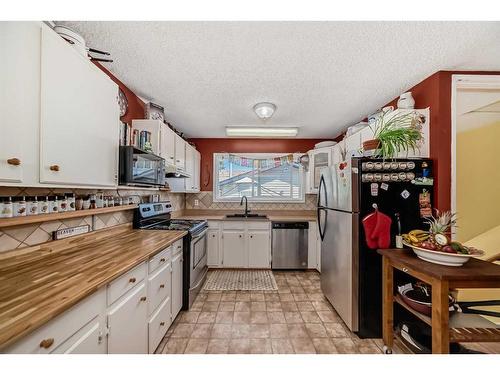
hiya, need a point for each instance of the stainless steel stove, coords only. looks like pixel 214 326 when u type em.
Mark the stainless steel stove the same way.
pixel 156 216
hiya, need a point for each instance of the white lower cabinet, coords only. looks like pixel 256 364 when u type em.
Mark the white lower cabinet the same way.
pixel 246 244
pixel 233 248
pixel 176 284
pixel 127 323
pixel 259 251
pixel 129 315
pixel 213 256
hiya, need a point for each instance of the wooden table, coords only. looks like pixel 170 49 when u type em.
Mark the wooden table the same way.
pixel 474 274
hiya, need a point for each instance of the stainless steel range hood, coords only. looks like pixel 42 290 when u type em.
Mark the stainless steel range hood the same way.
pixel 173 172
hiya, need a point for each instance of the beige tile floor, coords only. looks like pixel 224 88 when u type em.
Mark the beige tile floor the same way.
pixel 295 319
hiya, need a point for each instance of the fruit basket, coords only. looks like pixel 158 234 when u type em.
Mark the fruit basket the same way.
pixel 435 245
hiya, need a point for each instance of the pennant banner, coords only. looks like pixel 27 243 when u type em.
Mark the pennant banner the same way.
pixel 261 163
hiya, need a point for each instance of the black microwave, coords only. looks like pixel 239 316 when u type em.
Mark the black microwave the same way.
pixel 140 168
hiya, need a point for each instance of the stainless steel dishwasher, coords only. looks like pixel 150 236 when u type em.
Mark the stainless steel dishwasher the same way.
pixel 289 245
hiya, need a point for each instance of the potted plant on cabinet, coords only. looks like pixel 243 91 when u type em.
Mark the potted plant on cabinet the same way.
pixel 396 132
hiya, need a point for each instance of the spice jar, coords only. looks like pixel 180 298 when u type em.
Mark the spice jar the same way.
pixel 32 206
pixel 79 203
pixel 62 203
pixel 99 199
pixel 19 206
pixel 43 205
pixel 53 205
pixel 86 202
pixel 71 201
pixel 6 207
pixel 111 201
pixel 92 201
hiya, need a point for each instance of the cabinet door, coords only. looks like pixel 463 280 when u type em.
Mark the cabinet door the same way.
pixel 353 145
pixel 320 158
pixel 79 125
pixel 167 144
pixel 19 101
pixel 197 170
pixel 180 153
pixel 176 285
pixel 312 259
pixel 213 248
pixel 91 339
pixel 128 323
pixel 259 249
pixel 233 247
pixel 189 182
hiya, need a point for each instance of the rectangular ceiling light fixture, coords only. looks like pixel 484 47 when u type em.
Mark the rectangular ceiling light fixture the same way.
pixel 243 131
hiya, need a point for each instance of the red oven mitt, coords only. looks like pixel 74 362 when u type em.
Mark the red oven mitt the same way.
pixel 382 231
pixel 369 224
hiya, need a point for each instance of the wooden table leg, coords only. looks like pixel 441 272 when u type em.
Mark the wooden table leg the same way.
pixel 440 317
pixel 387 303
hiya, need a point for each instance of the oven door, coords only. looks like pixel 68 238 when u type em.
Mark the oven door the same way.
pixel 198 258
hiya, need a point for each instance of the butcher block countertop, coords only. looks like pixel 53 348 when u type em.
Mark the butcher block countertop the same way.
pixel 272 215
pixel 39 282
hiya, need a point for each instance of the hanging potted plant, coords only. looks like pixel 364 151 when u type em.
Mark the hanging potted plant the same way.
pixel 395 133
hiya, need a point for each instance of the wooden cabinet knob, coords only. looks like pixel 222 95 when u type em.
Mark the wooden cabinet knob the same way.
pixel 143 299
pixel 47 343
pixel 54 168
pixel 240 235
pixel 162 323
pixel 251 236
pixel 162 285
pixel 14 161
pixel 132 280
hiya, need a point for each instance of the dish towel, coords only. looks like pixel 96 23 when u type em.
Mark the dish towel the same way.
pixel 377 227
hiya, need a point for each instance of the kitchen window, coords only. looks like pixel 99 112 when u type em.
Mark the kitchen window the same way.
pixel 259 177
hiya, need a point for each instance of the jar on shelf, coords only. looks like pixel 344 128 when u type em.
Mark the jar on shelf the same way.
pixel 62 203
pixel 71 201
pixel 93 202
pixel 19 206
pixel 79 203
pixel 32 206
pixel 53 205
pixel 43 204
pixel 86 202
pixel 99 199
pixel 6 207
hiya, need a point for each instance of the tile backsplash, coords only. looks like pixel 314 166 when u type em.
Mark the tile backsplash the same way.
pixel 205 201
pixel 33 234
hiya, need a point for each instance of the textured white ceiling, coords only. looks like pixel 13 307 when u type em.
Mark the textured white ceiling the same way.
pixel 323 76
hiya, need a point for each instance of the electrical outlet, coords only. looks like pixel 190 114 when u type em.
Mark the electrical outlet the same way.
pixel 196 202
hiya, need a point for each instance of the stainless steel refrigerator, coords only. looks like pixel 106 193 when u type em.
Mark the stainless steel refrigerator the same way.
pixel 350 271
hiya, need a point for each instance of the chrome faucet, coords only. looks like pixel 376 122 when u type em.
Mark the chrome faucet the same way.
pixel 246 204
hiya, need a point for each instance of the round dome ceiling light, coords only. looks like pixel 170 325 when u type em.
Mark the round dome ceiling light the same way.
pixel 264 110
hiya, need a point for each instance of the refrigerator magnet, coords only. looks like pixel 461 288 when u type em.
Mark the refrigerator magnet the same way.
pixel 405 194
pixel 384 186
pixel 374 189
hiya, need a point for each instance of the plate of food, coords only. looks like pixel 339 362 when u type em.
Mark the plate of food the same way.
pixel 435 245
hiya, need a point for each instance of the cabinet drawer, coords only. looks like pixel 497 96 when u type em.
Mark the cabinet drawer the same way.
pixel 213 224
pixel 258 224
pixel 48 337
pixel 159 286
pixel 233 224
pixel 177 247
pixel 124 283
pixel 158 324
pixel 163 257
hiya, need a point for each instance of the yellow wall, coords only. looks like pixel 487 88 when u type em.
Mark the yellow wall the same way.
pixel 478 181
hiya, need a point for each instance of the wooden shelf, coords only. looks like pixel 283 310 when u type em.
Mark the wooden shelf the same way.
pixel 463 327
pixel 22 220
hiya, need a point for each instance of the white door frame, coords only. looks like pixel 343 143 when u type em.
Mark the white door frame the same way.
pixel 458 81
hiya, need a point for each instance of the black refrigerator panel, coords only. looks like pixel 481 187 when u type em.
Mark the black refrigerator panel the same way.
pixel 397 199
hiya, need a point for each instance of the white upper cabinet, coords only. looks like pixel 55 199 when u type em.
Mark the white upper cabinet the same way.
pixel 167 144
pixel 19 101
pixel 79 125
pixel 180 153
pixel 197 171
pixel 193 159
pixel 318 159
pixel 162 138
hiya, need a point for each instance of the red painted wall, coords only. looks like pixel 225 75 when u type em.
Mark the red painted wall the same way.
pixel 207 147
pixel 136 106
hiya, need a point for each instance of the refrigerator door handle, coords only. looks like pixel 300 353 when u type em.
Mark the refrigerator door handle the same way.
pixel 321 226
pixel 321 191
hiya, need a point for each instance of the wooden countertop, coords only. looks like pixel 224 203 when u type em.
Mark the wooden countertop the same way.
pixel 272 215
pixel 39 282
pixel 475 270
